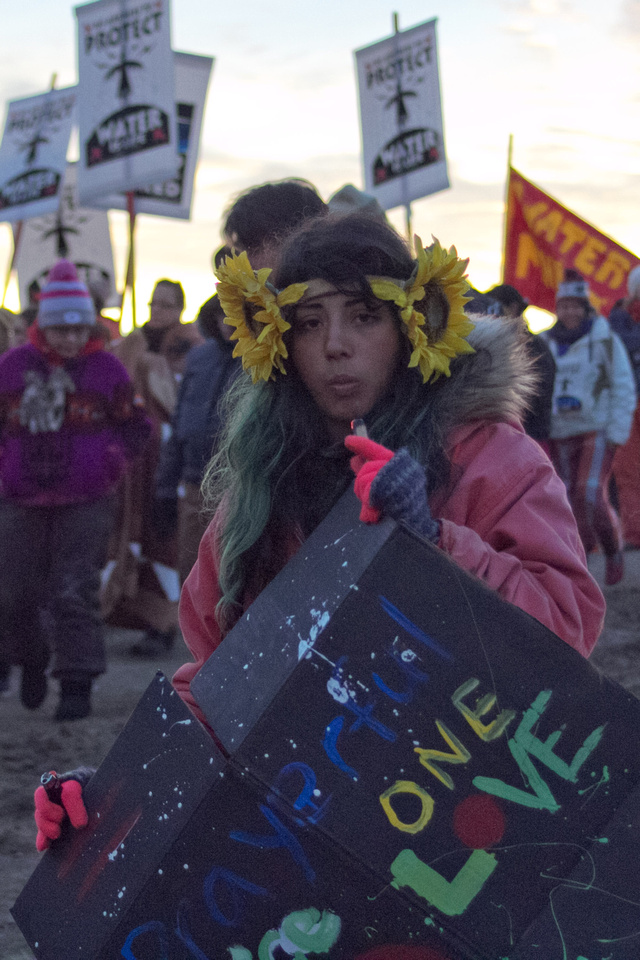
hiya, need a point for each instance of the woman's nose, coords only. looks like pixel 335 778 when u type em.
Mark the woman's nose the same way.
pixel 336 339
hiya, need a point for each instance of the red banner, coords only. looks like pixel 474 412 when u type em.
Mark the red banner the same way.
pixel 543 238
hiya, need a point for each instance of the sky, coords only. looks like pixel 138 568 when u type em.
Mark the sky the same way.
pixel 562 77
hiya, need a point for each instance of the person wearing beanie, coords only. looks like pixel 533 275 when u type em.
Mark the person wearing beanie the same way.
pixel 594 399
pixel 68 424
pixel 537 420
pixel 625 321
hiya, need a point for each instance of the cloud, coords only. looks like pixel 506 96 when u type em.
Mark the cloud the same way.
pixel 628 24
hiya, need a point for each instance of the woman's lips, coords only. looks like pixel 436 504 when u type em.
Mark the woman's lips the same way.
pixel 343 386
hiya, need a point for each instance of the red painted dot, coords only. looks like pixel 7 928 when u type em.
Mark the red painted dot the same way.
pixel 478 822
pixel 401 951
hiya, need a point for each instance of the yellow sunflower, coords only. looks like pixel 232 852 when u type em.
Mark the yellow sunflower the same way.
pixel 246 295
pixel 443 267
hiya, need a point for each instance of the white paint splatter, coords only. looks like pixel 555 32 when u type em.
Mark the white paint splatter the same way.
pixel 320 620
pixel 338 690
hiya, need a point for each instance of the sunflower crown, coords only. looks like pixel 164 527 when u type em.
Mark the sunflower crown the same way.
pixel 433 347
pixel 252 306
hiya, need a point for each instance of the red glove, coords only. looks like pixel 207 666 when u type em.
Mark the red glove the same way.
pixel 49 815
pixel 370 458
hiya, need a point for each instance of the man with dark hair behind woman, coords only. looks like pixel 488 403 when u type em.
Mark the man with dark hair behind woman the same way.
pixel 261 218
pixel 258 220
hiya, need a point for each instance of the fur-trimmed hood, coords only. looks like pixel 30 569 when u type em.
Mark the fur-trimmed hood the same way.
pixel 496 383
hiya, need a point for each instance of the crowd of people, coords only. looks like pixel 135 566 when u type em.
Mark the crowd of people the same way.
pixel 190 460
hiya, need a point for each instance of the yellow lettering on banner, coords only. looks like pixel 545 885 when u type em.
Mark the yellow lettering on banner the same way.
pixel 530 255
pixel 614 270
pixel 548 225
pixel 532 211
pixel 596 301
pixel 460 755
pixel 586 258
pixel 573 234
pixel 489 731
pixel 407 786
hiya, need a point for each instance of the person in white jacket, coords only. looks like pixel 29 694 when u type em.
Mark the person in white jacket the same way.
pixel 594 400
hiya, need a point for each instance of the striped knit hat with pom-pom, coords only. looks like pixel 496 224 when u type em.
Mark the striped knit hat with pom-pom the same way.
pixel 64 299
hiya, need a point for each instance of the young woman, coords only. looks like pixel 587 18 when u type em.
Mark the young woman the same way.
pixel 356 328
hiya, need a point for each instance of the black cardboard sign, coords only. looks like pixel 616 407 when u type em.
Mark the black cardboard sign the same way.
pixel 416 766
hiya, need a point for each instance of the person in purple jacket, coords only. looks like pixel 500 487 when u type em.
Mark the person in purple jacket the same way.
pixel 68 425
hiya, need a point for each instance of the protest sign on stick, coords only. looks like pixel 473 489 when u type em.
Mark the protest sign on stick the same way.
pixel 33 153
pixel 543 238
pixel 125 96
pixel 173 197
pixel 76 233
pixel 413 764
pixel 401 117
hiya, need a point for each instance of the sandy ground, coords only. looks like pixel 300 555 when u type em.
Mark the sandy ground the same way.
pixel 31 743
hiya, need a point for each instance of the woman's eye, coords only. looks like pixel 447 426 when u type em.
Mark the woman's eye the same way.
pixel 307 323
pixel 365 317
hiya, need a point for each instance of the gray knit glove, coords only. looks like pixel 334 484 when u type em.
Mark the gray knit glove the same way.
pixel 399 490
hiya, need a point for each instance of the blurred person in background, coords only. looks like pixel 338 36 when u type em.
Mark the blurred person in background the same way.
pixel 594 399
pixel 68 425
pixel 625 321
pixel 260 219
pixel 142 586
pixel 195 428
pixel 537 421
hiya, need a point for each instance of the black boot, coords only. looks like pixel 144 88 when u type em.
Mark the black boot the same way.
pixel 75 696
pixel 33 683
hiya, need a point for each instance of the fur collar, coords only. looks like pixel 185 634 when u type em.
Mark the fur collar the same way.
pixel 496 383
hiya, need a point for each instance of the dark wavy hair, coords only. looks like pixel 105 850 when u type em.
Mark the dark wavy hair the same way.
pixel 270 211
pixel 277 472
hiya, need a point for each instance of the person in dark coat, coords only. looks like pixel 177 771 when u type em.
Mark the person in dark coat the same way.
pixel 624 319
pixel 537 421
pixel 211 368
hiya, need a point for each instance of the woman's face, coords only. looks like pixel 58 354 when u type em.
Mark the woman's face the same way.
pixel 67 340
pixel 345 353
pixel 571 312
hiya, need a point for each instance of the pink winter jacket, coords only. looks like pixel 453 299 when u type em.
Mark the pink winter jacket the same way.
pixel 505 518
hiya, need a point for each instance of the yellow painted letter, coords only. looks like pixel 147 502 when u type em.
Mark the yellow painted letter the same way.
pixel 489 731
pixel 407 786
pixel 460 755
